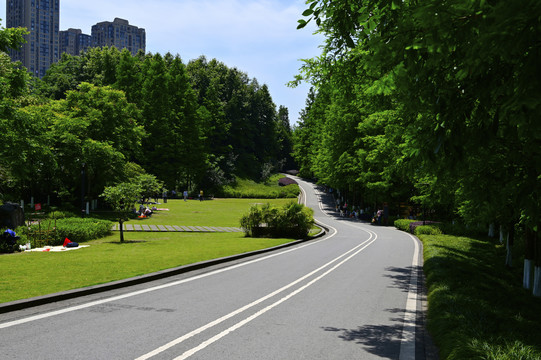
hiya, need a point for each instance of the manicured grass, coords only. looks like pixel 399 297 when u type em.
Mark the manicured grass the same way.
pixel 477 308
pixel 32 274
pixel 217 212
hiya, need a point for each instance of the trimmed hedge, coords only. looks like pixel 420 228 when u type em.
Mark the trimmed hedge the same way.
pixel 427 230
pixel 289 191
pixel 77 229
pixel 403 224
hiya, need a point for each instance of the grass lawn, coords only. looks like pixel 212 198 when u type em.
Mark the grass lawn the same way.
pixel 217 212
pixel 35 273
pixel 477 308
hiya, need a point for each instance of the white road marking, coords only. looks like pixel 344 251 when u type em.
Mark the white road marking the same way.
pixel 155 288
pixel 407 343
pixel 213 339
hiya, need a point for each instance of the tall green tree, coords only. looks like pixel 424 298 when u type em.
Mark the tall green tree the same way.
pixel 462 74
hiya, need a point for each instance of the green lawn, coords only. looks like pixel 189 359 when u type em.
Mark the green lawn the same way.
pixel 477 308
pixel 32 274
pixel 217 212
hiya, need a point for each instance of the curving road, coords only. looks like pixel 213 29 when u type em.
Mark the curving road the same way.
pixel 352 294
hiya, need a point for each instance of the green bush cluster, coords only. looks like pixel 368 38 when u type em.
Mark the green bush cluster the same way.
pixel 249 189
pixel 292 220
pixel 60 215
pixel 427 230
pixel 78 229
pixel 403 224
pixel 289 191
pixel 436 228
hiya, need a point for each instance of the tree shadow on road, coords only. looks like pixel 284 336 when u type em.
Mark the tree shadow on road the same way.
pixel 402 276
pixel 380 340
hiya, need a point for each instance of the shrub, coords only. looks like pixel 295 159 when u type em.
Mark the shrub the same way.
pixel 290 221
pixel 78 229
pixel 403 224
pixel 60 214
pixel 427 230
pixel 244 188
pixel 415 224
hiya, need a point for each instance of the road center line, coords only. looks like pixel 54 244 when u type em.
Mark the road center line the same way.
pixel 357 249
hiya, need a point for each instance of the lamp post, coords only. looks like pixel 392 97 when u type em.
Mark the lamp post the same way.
pixel 83 191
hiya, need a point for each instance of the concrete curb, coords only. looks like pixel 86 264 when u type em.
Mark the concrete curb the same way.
pixel 70 294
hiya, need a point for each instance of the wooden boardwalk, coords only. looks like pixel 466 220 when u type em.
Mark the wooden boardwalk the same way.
pixel 174 228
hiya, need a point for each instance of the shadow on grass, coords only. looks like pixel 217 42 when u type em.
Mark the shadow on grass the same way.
pixel 474 298
pixel 127 242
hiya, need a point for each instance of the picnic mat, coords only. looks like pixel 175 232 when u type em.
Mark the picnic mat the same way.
pixel 56 248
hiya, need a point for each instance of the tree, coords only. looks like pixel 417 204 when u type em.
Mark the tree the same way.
pixel 11 38
pixel 98 127
pixel 122 198
pixel 149 185
pixel 462 74
pixel 284 140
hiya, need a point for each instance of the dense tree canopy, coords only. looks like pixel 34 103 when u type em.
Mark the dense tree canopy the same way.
pixel 435 101
pixel 110 116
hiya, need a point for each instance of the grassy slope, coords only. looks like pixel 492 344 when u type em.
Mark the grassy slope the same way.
pixel 477 307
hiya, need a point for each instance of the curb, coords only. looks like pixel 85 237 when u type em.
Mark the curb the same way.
pixel 95 289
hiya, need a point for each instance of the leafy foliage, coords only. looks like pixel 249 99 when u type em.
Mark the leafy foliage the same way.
pixel 434 102
pixel 78 229
pixel 293 220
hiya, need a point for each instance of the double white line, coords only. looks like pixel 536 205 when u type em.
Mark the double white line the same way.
pixel 338 261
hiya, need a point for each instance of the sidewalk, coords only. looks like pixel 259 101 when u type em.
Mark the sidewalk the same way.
pixel 174 228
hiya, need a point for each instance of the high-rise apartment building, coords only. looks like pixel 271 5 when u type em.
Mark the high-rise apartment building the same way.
pixel 41 18
pixel 73 41
pixel 120 34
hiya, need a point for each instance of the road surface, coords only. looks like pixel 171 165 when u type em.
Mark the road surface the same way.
pixel 352 294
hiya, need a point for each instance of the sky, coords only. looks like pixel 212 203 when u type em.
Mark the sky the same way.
pixel 258 37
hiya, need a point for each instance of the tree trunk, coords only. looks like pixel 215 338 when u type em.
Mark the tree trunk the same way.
pixel 510 242
pixel 502 234
pixel 527 278
pixel 529 257
pixel 537 272
pixel 537 282
pixel 491 231
pixel 121 231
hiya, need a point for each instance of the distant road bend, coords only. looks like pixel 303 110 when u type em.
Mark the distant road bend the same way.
pixel 352 294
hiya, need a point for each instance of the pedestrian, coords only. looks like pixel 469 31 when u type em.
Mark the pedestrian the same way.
pixel 200 195
pixel 185 194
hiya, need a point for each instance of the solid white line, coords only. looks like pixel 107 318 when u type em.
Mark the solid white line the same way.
pixel 248 306
pixel 224 333
pixel 407 343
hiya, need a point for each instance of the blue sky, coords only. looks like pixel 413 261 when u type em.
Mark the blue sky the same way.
pixel 258 37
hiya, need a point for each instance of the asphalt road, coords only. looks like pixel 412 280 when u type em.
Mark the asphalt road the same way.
pixel 352 294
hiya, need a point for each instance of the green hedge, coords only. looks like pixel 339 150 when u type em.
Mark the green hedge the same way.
pixel 76 229
pixel 403 224
pixel 428 230
pixel 289 191
pixel 250 189
pixel 292 220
